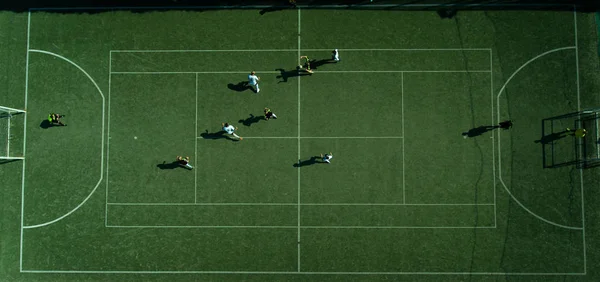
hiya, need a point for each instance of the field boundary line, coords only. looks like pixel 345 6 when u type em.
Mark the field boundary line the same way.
pixel 290 204
pixel 277 72
pixel 318 137
pixel 403 163
pixel 24 142
pixel 8 137
pixel 196 147
pixel 492 135
pixel 312 7
pixel 302 272
pixel 108 137
pixel 299 168
pixel 302 227
pixel 499 144
pixel 102 142
pixel 295 50
pixel 580 170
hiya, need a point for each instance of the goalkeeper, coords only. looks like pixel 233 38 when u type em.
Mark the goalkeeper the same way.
pixel 54 119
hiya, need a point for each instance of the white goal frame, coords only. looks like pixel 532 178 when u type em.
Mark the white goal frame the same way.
pixel 9 112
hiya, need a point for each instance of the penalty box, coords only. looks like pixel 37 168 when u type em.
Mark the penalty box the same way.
pixel 211 188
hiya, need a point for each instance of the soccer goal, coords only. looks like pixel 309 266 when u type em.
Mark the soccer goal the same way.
pixel 11 129
pixel 572 139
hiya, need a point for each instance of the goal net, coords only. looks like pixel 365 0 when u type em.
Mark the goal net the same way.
pixel 11 133
pixel 562 146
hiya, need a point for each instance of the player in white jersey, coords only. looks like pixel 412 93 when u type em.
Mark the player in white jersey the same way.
pixel 253 81
pixel 335 55
pixel 327 158
pixel 230 130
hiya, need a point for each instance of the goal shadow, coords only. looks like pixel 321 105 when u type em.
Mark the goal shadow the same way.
pixel 560 146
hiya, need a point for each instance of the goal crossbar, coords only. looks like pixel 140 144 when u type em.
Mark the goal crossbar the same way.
pixel 12 158
pixel 7 109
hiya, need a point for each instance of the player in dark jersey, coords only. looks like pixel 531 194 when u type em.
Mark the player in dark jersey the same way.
pixel 185 162
pixel 269 114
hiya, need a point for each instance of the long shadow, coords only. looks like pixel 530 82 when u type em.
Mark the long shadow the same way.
pixel 276 8
pixel 240 87
pixel 252 119
pixel 3 161
pixel 311 161
pixel 552 137
pixel 214 135
pixel 316 64
pixel 285 75
pixel 165 165
pixel 478 130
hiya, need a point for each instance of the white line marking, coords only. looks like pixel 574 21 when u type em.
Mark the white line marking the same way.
pixel 196 148
pixel 295 50
pixel 108 139
pixel 304 273
pixel 12 109
pixel 289 204
pixel 102 142
pixel 401 49
pixel 499 144
pixel 8 137
pixel 403 170
pixel 204 51
pixel 189 72
pixel 299 78
pixel 302 227
pixel 493 141
pixel 580 170
pixel 320 137
pixel 597 134
pixel 24 141
pixel 12 158
pixel 333 6
pixel 528 62
pixel 277 72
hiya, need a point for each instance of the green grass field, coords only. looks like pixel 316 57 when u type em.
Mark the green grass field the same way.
pixel 405 197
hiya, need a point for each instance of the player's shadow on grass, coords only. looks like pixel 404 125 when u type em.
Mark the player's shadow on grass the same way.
pixel 311 161
pixel 240 87
pixel 473 132
pixel 166 165
pixel 45 124
pixel 216 135
pixel 316 64
pixel 285 75
pixel 213 135
pixel 552 137
pixel 252 119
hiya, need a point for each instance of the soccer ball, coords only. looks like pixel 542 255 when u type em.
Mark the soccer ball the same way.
pixel 300 66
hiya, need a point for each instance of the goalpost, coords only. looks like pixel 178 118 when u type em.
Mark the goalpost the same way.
pixel 9 117
pixel 563 148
